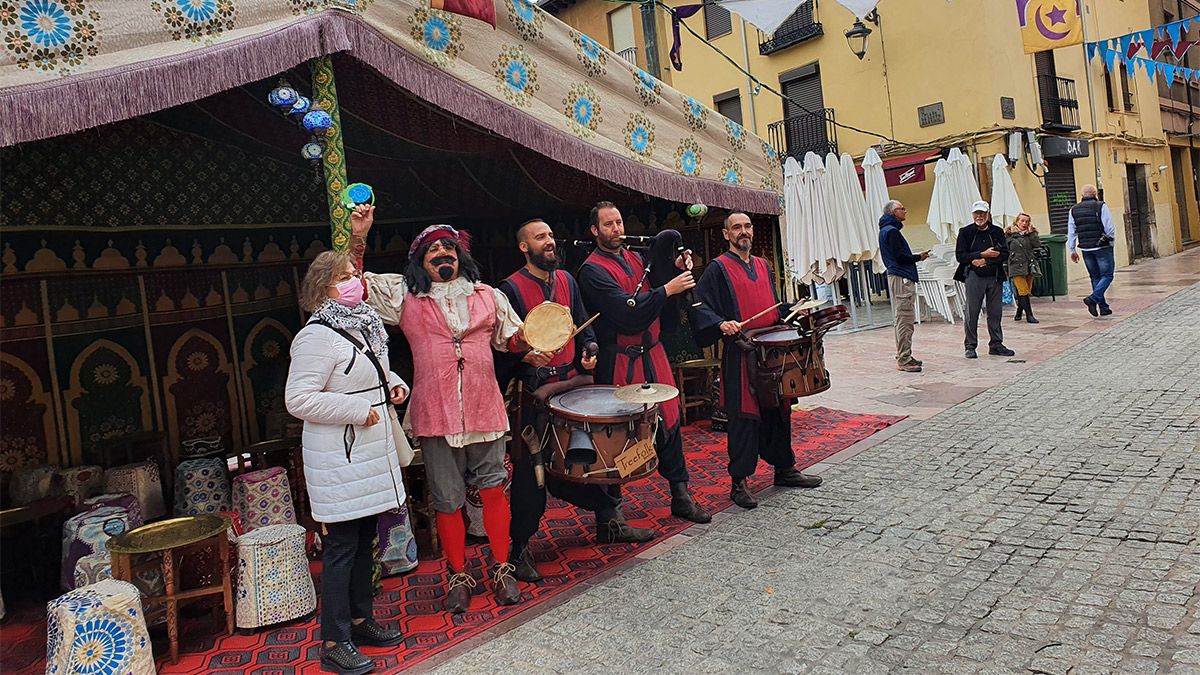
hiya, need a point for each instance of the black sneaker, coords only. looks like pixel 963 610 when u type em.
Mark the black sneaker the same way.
pixel 371 633
pixel 1105 311
pixel 1091 305
pixel 971 354
pixel 1001 351
pixel 344 659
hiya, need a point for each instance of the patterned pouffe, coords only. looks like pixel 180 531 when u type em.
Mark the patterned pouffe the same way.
pixel 98 567
pixel 122 499
pixel 141 480
pixel 201 487
pixel 81 482
pixel 87 533
pixel 397 545
pixel 31 483
pixel 264 498
pixel 273 582
pixel 98 629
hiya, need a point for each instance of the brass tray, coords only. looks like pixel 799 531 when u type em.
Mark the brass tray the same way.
pixel 167 534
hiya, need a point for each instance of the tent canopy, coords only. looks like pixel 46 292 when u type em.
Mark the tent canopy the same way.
pixel 533 89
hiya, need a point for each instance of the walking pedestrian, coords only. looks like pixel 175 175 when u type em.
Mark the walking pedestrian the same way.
pixel 901 264
pixel 1090 225
pixel 981 252
pixel 1024 248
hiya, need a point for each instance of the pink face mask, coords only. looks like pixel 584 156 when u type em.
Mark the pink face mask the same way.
pixel 350 292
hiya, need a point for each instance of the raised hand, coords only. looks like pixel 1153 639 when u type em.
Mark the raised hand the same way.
pixel 361 220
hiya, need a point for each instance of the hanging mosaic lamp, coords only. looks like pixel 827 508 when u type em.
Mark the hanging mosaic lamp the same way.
pixel 283 96
pixel 301 106
pixel 312 151
pixel 317 121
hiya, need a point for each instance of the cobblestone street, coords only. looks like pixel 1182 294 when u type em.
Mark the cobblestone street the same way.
pixel 1048 524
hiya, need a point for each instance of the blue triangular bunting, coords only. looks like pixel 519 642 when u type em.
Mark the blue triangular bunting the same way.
pixel 1173 31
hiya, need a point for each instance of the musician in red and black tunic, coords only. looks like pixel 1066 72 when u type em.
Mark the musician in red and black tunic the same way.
pixel 630 351
pixel 540 281
pixel 737 285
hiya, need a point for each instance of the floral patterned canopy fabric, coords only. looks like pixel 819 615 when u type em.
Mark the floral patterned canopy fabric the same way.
pixel 67 65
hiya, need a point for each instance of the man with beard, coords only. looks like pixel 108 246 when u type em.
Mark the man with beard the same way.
pixel 542 375
pixel 630 351
pixel 737 285
pixel 457 413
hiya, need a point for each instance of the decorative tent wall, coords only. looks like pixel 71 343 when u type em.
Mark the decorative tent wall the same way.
pixel 153 239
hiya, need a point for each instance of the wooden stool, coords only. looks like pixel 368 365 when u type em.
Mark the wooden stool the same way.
pixel 696 370
pixel 164 543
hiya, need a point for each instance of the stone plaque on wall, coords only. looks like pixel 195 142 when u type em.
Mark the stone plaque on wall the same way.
pixel 932 114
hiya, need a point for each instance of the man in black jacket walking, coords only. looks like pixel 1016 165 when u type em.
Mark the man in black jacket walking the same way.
pixel 901 264
pixel 981 250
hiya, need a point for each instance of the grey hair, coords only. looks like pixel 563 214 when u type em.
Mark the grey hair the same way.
pixel 891 206
pixel 320 273
pixel 1088 191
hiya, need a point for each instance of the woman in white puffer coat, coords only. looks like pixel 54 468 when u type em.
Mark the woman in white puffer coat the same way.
pixel 350 460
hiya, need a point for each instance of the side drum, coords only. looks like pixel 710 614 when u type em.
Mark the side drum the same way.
pixel 788 365
pixel 595 438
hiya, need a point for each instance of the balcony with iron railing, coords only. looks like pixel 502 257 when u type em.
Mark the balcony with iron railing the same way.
pixel 629 54
pixel 796 135
pixel 800 26
pixel 1060 107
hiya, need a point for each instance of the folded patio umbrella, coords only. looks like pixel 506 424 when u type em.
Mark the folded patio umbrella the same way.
pixel 1006 205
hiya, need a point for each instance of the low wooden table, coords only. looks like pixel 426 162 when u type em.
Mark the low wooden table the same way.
pixel 164 543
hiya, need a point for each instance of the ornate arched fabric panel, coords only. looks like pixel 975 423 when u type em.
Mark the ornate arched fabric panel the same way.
pixel 108 398
pixel 200 391
pixel 28 436
pixel 265 363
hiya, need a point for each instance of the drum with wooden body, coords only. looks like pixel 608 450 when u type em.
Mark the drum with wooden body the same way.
pixel 595 438
pixel 790 362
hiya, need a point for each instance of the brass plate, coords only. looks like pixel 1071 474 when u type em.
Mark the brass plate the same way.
pixel 167 534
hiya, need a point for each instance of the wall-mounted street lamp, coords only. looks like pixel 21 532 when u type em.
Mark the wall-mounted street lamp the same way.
pixel 859 33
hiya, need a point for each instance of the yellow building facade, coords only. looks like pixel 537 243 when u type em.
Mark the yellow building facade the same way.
pixel 936 75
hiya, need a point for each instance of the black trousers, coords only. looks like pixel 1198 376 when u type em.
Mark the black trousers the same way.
pixel 528 501
pixel 669 447
pixel 347 590
pixel 769 438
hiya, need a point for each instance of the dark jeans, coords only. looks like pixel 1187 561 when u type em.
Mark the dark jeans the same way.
pixel 347 590
pixel 981 290
pixel 769 438
pixel 1100 267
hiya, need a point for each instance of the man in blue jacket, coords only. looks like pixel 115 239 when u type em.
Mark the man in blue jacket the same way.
pixel 901 265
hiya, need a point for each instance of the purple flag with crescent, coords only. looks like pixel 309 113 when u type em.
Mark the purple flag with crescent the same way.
pixel 1049 24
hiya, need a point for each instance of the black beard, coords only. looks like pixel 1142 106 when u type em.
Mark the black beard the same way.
pixel 446 272
pixel 543 263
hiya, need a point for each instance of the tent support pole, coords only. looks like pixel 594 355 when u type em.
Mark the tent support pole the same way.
pixel 333 160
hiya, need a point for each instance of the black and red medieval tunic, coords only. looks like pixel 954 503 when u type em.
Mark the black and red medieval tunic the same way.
pixel 528 502
pixel 729 290
pixel 630 351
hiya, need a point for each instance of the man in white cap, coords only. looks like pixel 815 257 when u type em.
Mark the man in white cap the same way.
pixel 981 251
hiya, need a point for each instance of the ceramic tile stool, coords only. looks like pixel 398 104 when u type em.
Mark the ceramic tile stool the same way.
pixel 31 483
pixel 196 448
pixel 397 545
pixel 122 499
pixel 81 482
pixel 165 545
pixel 274 584
pixel 98 567
pixel 140 479
pixel 98 629
pixel 263 498
pixel 87 533
pixel 201 486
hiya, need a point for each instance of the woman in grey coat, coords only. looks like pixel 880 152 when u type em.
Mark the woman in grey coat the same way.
pixel 1024 252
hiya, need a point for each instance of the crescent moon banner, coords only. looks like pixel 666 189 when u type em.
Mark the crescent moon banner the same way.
pixel 1050 24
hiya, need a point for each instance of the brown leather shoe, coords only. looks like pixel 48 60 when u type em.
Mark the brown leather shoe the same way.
pixel 910 367
pixel 791 477
pixel 740 494
pixel 682 505
pixel 505 585
pixel 526 570
pixel 458 592
pixel 616 531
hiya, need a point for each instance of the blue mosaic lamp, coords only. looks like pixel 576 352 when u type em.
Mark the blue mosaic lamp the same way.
pixel 312 151
pixel 301 106
pixel 283 96
pixel 317 121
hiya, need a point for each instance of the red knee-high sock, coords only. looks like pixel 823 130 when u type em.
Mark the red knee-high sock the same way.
pixel 453 533
pixel 496 517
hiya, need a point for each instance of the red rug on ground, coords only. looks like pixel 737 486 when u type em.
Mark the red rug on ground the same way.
pixel 564 549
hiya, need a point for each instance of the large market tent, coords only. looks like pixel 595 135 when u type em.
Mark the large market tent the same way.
pixel 156 214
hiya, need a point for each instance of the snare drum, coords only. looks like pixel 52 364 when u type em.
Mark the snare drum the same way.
pixel 595 438
pixel 788 365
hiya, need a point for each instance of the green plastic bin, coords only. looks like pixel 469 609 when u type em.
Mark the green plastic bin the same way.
pixel 1053 281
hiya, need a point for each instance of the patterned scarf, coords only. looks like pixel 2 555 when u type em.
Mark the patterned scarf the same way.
pixel 357 320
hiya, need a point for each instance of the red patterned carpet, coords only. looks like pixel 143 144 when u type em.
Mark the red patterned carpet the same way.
pixel 564 550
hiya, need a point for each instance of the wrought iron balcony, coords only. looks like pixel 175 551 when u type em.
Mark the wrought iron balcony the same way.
pixel 1060 108
pixel 797 134
pixel 629 54
pixel 800 26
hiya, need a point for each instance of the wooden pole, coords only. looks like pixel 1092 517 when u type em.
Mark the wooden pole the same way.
pixel 334 158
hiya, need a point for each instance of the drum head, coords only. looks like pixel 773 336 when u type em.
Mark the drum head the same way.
pixel 594 400
pixel 777 336
pixel 548 327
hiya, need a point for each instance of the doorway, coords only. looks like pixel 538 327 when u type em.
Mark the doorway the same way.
pixel 1137 212
pixel 1181 194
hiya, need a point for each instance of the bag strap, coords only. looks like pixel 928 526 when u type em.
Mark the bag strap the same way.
pixel 361 346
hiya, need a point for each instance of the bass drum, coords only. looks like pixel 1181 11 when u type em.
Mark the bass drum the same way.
pixel 596 438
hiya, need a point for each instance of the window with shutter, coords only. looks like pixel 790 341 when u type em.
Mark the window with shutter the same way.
pixel 717 21
pixel 1060 192
pixel 729 104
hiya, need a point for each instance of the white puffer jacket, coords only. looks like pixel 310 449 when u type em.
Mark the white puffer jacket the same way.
pixel 326 368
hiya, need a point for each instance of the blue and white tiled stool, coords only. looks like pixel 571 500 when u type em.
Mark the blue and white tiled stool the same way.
pixel 141 480
pixel 97 567
pixel 87 533
pixel 273 581
pixel 201 487
pixel 98 629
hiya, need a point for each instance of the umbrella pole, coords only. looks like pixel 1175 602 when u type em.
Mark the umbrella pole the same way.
pixel 867 291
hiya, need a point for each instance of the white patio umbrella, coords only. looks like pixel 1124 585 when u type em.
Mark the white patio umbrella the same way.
pixel 866 224
pixel 1006 205
pixel 942 205
pixel 846 214
pixel 876 182
pixel 966 188
pixel 813 257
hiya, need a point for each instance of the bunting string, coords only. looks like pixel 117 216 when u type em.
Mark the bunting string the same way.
pixel 1169 37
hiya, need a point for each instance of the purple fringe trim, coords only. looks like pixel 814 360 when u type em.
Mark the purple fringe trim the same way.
pixel 118 94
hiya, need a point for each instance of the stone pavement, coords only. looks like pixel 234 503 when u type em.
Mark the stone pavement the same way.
pixel 1048 524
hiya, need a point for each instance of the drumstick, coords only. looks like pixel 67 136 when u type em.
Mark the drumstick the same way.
pixel 585 325
pixel 762 313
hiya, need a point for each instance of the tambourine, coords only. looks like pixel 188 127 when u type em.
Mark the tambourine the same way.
pixel 548 327
pixel 357 193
